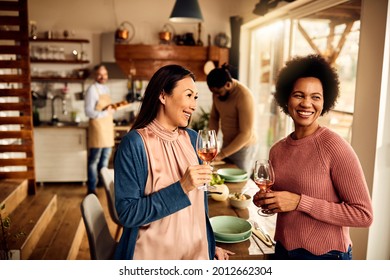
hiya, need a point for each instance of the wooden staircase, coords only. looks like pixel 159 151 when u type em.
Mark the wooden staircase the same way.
pixel 16 124
pixel 40 228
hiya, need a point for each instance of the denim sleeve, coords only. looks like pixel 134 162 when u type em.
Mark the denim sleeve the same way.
pixel 131 170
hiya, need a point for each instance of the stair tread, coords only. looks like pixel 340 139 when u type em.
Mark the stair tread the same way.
pixel 8 186
pixel 29 220
pixel 62 235
pixel 12 193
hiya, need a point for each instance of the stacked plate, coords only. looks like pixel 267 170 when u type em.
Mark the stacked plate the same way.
pixel 233 175
pixel 229 229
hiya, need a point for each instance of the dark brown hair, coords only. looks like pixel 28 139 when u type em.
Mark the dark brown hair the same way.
pixel 164 80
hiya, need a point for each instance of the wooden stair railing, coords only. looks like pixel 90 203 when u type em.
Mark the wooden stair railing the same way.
pixel 16 122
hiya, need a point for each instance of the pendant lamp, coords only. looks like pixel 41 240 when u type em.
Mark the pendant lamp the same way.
pixel 186 11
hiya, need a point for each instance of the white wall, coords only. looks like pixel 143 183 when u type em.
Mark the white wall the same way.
pixel 147 16
pixel 89 18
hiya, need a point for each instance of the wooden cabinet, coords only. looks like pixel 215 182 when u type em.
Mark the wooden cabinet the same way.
pixel 119 132
pixel 60 154
pixel 144 60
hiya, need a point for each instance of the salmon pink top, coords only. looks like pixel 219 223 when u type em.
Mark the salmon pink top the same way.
pixel 181 235
pixel 326 172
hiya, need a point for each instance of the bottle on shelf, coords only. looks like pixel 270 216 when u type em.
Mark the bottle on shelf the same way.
pixel 130 97
pixel 33 30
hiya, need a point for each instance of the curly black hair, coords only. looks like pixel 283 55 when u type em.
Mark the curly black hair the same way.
pixel 218 77
pixel 307 66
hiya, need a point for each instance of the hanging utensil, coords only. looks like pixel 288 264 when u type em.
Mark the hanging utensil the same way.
pixel 122 34
pixel 209 65
pixel 167 34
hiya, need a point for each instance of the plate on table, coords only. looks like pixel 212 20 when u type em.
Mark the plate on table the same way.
pixel 233 174
pixel 245 238
pixel 237 180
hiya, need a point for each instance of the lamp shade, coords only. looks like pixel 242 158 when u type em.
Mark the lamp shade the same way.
pixel 186 11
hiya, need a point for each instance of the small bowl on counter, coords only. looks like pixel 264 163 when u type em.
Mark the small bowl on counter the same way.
pixel 239 200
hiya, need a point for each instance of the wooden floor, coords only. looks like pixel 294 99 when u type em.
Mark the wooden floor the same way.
pixel 74 193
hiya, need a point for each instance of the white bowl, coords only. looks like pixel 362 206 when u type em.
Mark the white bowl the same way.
pixel 237 200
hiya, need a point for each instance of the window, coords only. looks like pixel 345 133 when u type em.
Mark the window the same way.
pixel 334 33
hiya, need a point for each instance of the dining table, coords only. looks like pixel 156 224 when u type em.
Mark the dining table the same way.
pixel 253 248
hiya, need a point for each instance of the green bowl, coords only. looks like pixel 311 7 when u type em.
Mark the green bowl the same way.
pixel 230 228
pixel 232 173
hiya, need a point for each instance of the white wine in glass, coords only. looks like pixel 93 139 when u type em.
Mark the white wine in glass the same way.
pixel 264 178
pixel 206 147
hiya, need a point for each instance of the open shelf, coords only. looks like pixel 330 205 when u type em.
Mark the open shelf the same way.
pixel 57 79
pixel 59 40
pixel 64 61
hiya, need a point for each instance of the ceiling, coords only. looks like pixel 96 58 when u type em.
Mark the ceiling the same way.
pixel 342 13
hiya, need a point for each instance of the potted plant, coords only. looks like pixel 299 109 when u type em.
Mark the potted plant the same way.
pixel 5 223
pixel 201 121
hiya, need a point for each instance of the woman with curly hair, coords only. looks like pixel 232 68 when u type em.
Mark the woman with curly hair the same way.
pixel 320 189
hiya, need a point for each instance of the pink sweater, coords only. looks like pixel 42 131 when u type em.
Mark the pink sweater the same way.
pixel 325 170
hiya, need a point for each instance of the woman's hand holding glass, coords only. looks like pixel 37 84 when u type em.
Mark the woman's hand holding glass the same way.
pixel 196 176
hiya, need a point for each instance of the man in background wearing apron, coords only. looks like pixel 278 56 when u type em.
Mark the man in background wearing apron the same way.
pixel 101 126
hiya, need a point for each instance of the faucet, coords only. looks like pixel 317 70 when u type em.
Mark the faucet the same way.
pixel 54 118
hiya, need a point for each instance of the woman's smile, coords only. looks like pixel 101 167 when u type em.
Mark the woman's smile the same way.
pixel 304 114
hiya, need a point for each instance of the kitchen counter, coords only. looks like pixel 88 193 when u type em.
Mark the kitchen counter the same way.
pixel 62 125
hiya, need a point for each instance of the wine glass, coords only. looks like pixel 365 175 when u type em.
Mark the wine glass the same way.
pixel 206 147
pixel 264 178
